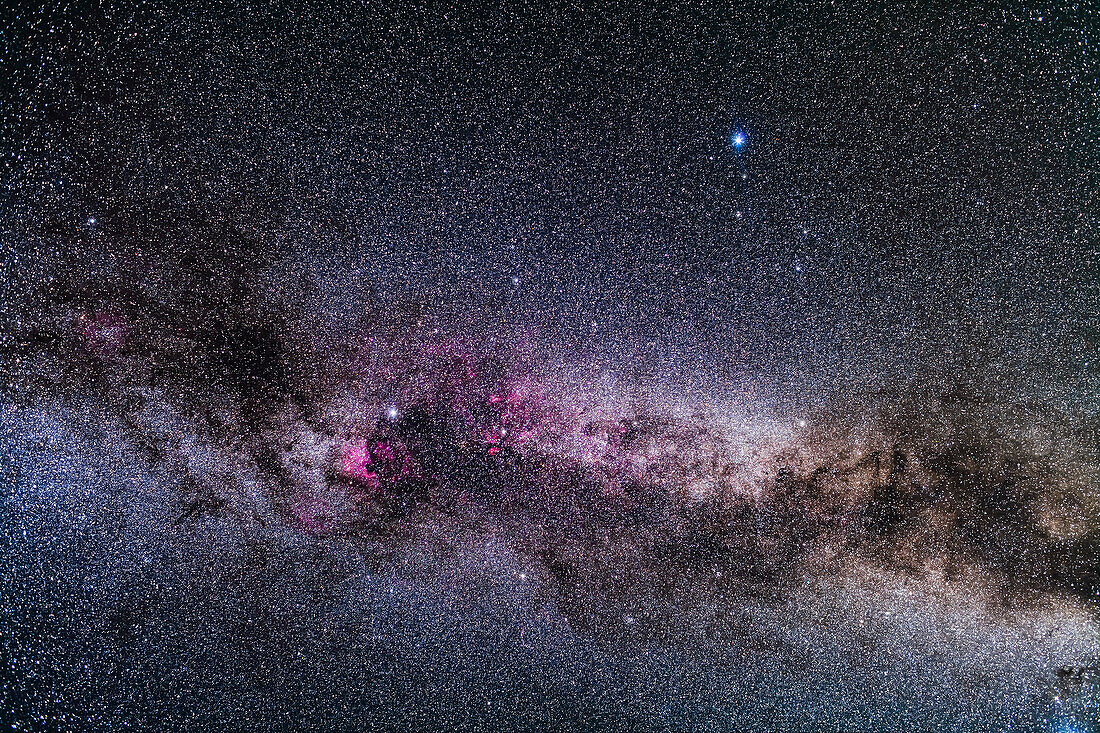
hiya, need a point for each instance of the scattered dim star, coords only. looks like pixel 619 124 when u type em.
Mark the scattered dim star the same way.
pixel 446 369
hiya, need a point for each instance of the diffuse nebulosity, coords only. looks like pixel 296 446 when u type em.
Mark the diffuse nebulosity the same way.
pixel 633 514
pixel 548 368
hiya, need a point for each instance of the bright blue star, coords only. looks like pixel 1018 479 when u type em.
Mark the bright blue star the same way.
pixel 738 140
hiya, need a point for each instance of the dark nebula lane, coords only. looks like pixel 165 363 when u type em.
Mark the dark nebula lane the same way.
pixel 559 367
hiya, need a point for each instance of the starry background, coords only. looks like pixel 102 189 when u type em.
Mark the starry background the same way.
pixel 550 366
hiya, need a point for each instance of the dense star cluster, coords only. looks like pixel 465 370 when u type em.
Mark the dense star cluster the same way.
pixel 550 366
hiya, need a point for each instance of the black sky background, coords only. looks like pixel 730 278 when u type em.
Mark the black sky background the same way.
pixel 700 435
pixel 911 177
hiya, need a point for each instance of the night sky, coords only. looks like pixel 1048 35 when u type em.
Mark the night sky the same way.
pixel 550 366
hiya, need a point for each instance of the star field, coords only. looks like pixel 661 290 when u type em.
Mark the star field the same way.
pixel 549 366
